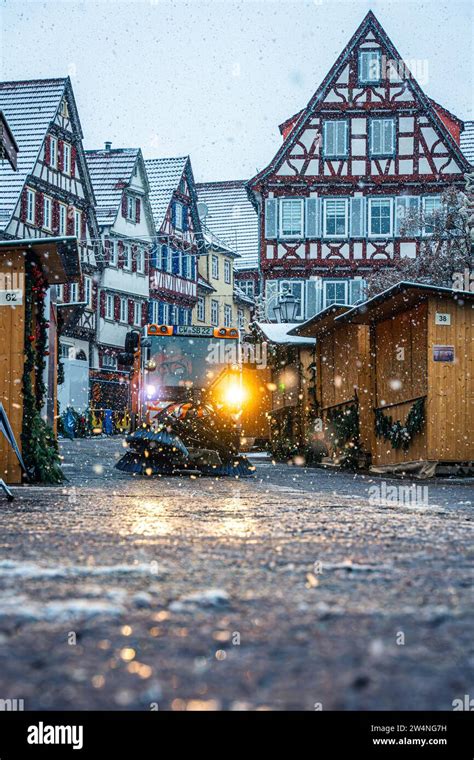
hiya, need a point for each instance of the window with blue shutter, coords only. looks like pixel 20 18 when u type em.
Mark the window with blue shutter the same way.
pixel 175 255
pixel 312 218
pixel 271 218
pixel 358 217
pixel 335 138
pixel 151 315
pixel 173 214
pixel 164 258
pixel 185 219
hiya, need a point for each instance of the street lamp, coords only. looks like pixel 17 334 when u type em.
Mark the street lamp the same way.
pixel 287 308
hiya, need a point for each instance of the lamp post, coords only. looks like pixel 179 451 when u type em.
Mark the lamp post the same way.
pixel 287 307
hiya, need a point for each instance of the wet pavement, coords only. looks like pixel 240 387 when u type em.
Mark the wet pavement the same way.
pixel 297 589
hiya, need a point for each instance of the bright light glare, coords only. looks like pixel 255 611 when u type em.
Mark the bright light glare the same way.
pixel 150 391
pixel 234 394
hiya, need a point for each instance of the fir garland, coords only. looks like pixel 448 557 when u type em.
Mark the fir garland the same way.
pixel 39 446
pixel 401 436
pixel 344 433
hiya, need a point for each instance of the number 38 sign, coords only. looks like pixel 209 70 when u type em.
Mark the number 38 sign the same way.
pixel 11 297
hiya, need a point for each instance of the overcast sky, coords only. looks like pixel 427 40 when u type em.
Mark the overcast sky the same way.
pixel 214 79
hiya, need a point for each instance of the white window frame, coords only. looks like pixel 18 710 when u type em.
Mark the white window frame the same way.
pixel 30 205
pixel 334 281
pixel 227 315
pixel 113 253
pixel 201 309
pixel 62 219
pixel 240 318
pixel 373 202
pixel 178 216
pixel 363 54
pixel 53 152
pixel 227 272
pixel 291 235
pixel 131 209
pixel 88 291
pixel 140 261
pixel 429 198
pixel 137 313
pixel 123 313
pixel 154 312
pixel 331 123
pixel 326 203
pixel 109 306
pixel 127 257
pixel 66 158
pixel 77 223
pixel 47 213
pixel 74 293
pixel 215 266
pixel 214 312
pixel 65 350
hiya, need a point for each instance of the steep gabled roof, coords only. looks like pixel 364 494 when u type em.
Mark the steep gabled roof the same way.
pixel 164 175
pixel 232 218
pixel 467 141
pixel 110 172
pixel 29 108
pixel 370 23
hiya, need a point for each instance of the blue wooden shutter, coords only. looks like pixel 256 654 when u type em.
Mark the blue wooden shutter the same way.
pixel 271 218
pixel 312 218
pixel 358 215
pixel 173 214
pixel 175 262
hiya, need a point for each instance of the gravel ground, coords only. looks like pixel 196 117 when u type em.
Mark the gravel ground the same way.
pixel 288 591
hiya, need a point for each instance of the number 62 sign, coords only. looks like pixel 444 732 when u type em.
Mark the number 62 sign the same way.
pixel 11 297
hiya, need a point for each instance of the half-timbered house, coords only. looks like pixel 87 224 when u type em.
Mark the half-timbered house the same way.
pixel 126 225
pixel 51 194
pixel 173 265
pixel 368 152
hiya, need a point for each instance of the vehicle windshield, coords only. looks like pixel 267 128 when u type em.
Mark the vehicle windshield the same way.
pixel 190 362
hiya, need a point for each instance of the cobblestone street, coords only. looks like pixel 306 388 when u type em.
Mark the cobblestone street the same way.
pixel 285 591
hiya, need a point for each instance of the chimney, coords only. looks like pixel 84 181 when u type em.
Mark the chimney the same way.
pixel 108 146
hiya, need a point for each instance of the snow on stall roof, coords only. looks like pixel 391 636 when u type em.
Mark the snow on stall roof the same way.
pixel 467 141
pixel 29 108
pixel 232 218
pixel 277 332
pixel 110 172
pixel 164 175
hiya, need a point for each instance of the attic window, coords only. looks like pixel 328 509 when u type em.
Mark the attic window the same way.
pixel 64 109
pixel 370 66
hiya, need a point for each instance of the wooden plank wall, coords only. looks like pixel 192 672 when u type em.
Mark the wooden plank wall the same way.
pixel 451 386
pixel 12 322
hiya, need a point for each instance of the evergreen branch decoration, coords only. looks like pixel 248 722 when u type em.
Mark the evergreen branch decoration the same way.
pixel 344 433
pixel 401 436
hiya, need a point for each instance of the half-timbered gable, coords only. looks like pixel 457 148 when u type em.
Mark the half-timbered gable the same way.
pixel 50 194
pixel 369 151
pixel 173 270
pixel 127 230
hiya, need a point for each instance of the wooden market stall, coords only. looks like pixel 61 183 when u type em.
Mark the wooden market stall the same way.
pixel 28 341
pixel 422 378
pixel 343 401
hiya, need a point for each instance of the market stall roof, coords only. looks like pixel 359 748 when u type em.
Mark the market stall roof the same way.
pixel 320 322
pixel 280 333
pixel 59 256
pixel 398 298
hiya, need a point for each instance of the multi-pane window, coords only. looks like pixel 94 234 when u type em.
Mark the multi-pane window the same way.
pixel 164 258
pixel 173 314
pixel 201 309
pixel 335 217
pixel 382 137
pixel 431 209
pixel 247 287
pixel 155 312
pixel 66 350
pixel 66 158
pixel 380 216
pixel 370 66
pixel 240 319
pixel 214 312
pixel 88 291
pixel 140 260
pixel 60 293
pixel 178 216
pixel 227 315
pixel 109 361
pixel 47 213
pixel 113 253
pixel 137 313
pixel 73 292
pixel 215 266
pixel 53 152
pixel 186 265
pixel 291 217
pixel 109 307
pixel 62 219
pixel 127 257
pixel 227 271
pixel 77 223
pixel 335 292
pixel 335 138
pixel 30 206
pixel 131 208
pixel 123 310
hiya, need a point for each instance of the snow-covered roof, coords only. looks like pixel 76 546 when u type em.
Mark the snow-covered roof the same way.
pixel 242 297
pixel 212 241
pixel 205 284
pixel 164 175
pixel 232 218
pixel 110 172
pixel 29 108
pixel 467 141
pixel 278 332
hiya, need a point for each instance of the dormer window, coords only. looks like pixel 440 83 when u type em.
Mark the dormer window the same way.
pixel 370 66
pixel 131 208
